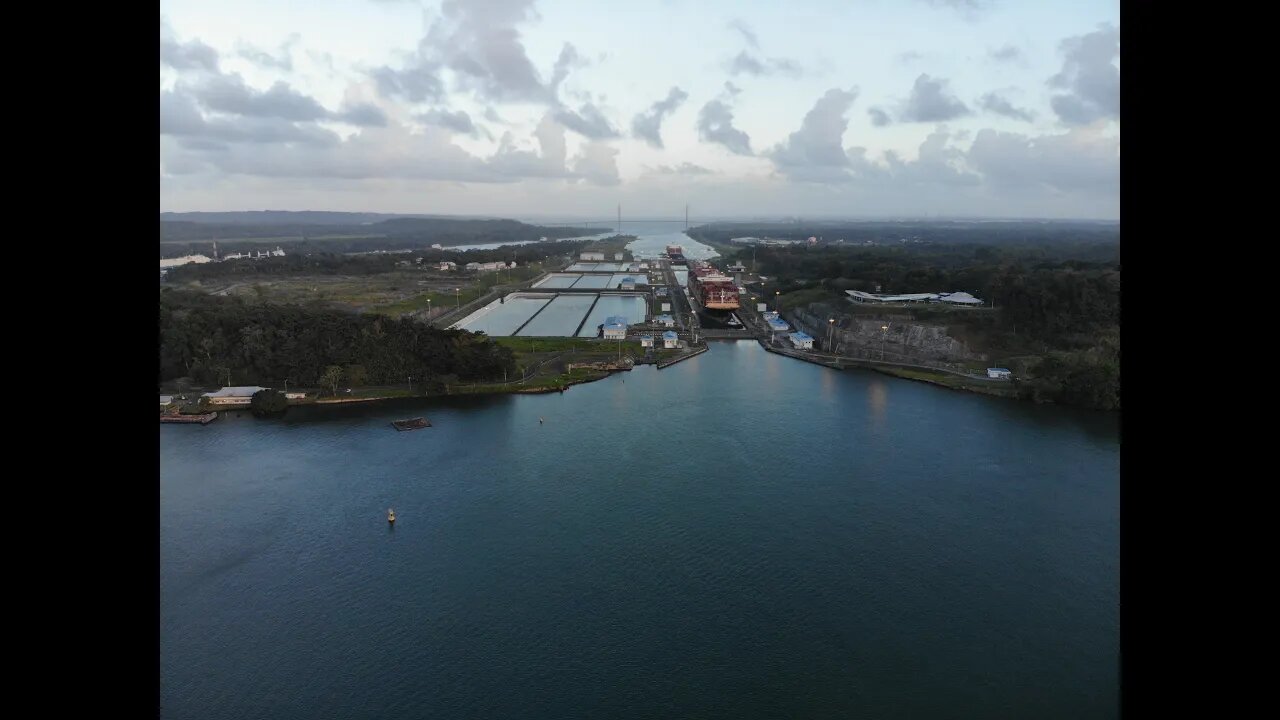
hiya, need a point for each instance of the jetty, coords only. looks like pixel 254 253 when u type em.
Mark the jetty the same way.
pixel 203 419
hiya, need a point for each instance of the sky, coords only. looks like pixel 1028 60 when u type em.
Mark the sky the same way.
pixel 525 108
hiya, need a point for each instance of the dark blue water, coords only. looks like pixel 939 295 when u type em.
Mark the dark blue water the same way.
pixel 741 535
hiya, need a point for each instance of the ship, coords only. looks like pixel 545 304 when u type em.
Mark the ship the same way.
pixel 713 290
pixel 675 253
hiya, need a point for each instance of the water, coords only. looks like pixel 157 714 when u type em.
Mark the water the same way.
pixel 592 281
pixel 640 278
pixel 557 280
pixel 500 318
pixel 741 535
pixel 655 237
pixel 560 318
pixel 631 307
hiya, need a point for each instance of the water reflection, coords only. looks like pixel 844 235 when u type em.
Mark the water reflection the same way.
pixel 877 402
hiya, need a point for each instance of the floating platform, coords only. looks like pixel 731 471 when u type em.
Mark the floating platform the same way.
pixel 411 424
pixel 204 419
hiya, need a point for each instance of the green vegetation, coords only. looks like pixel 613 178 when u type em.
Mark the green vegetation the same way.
pixel 213 339
pixel 359 231
pixel 268 402
pixel 1056 315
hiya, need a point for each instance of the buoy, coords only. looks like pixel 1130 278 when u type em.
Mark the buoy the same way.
pixel 391 516
pixel 539 421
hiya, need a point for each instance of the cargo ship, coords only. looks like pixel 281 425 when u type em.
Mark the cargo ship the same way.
pixel 713 290
pixel 675 253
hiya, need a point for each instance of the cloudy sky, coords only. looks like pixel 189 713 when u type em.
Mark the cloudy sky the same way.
pixel 998 108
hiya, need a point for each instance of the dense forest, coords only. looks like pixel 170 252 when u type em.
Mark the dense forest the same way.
pixel 1010 232
pixel 226 340
pixel 1060 301
pixel 330 263
pixel 394 233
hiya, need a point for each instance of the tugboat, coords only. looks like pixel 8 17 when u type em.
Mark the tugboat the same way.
pixel 391 516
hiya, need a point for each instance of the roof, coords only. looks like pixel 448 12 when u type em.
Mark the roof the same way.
pixel 166 399
pixel 665 318
pixel 960 297
pixel 669 335
pixel 239 391
pixel 800 336
pixel 615 320
pixel 628 279
pixel 999 370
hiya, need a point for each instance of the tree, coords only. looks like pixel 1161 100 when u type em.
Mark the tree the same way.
pixel 357 375
pixel 331 377
pixel 268 402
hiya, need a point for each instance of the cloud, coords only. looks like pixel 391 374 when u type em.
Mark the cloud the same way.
pixel 747 33
pixel 684 168
pixel 992 102
pixel 930 102
pixel 1008 53
pixel 362 114
pixel 459 121
pixel 419 82
pixel 968 9
pixel 588 121
pixel 180 117
pixel 909 57
pixel 879 117
pixel 568 60
pixel 266 60
pixel 731 89
pixel 1089 76
pixel 193 55
pixel 715 124
pixel 648 125
pixel 597 164
pixel 815 152
pixel 936 163
pixel 229 94
pixel 1082 159
pixel 747 64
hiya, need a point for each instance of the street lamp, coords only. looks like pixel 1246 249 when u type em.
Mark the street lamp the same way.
pixel 884 331
pixel 831 326
pixel 457 292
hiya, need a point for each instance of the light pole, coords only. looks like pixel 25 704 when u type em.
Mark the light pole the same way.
pixel 831 326
pixel 411 384
pixel 884 330
pixel 457 292
pixel 777 300
pixel 428 308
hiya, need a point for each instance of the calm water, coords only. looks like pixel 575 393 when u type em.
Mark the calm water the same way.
pixel 741 535
pixel 499 319
pixel 559 318
pixel 631 307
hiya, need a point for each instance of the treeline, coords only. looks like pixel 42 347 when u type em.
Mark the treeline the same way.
pixel 1065 307
pixel 415 231
pixel 946 232
pixel 331 263
pixel 206 338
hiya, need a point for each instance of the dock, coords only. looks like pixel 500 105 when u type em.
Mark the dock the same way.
pixel 204 419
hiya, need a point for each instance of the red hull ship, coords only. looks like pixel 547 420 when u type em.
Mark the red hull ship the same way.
pixel 713 290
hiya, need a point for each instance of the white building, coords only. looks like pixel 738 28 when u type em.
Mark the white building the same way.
pixel 628 283
pixel 670 340
pixel 801 341
pixel 618 256
pixel 778 325
pixel 954 298
pixel 615 328
pixel 999 373
pixel 645 341
pixel 166 399
pixel 595 256
pixel 665 320
pixel 233 396
pixel 184 260
pixel 446 265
